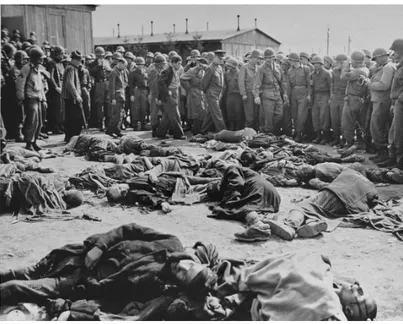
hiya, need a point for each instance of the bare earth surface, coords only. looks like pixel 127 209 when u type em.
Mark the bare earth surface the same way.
pixel 373 258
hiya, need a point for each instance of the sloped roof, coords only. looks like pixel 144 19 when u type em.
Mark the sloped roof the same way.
pixel 178 37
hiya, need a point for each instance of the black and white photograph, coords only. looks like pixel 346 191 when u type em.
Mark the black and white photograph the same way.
pixel 201 161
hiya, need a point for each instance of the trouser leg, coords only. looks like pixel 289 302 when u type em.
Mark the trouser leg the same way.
pixel 336 109
pixel 215 112
pixel 398 130
pixel 351 113
pixel 379 124
pixel 99 100
pixel 251 112
pixel 85 94
pixel 324 113
pixel 32 121
pixel 154 112
pixel 115 117
pixel 295 219
pixel 267 115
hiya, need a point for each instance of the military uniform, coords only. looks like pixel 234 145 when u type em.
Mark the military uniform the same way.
pixel 247 74
pixel 138 89
pixel 233 100
pixel 117 93
pixel 337 103
pixel 86 85
pixel 56 111
pixel 269 84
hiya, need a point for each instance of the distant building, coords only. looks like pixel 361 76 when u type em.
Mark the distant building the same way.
pixel 67 25
pixel 235 43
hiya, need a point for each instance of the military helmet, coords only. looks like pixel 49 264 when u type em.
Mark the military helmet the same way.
pixel 117 56
pixel 357 56
pixel 379 52
pixel 232 62
pixel 172 54
pixel 25 45
pixel 129 55
pixel 99 51
pixel 195 53
pixel 150 54
pixel 108 54
pixel 317 59
pixel 159 59
pixel 304 54
pixel 341 58
pixel 269 52
pixel 93 56
pixel 36 53
pixel 140 61
pixel 293 57
pixel 397 45
pixel 9 48
pixel 256 53
pixel 279 57
pixel 120 49
pixel 21 55
pixel 57 50
pixel 329 59
pixel 285 62
pixel 367 53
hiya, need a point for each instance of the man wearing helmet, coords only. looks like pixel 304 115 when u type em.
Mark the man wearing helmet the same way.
pixel 379 85
pixel 100 70
pixel 247 74
pixel 56 110
pixel 194 55
pixel 337 99
pixel 268 87
pixel 355 94
pixel 396 96
pixel 138 89
pixel 31 93
pixel 233 98
pixel 149 59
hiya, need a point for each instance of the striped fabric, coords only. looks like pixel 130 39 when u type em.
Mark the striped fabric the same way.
pixel 71 88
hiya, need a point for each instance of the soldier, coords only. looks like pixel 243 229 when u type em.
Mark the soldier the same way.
pixel 86 85
pixel 130 58
pixel 191 81
pixel 168 94
pixel 247 74
pixel 100 70
pixel 233 98
pixel 117 97
pixel 31 93
pixel 194 56
pixel 279 56
pixel 72 96
pixel 396 96
pixel 56 110
pixel 328 62
pixel 287 117
pixel 149 59
pixel 379 85
pixel 116 57
pixel 321 91
pixel 355 93
pixel 369 63
pixel 305 60
pixel 268 87
pixel 153 75
pixel 299 89
pixel 131 66
pixel 47 49
pixel 138 89
pixel 337 99
pixel 108 57
pixel 212 85
pixel 210 57
pixel 121 50
pixel 17 121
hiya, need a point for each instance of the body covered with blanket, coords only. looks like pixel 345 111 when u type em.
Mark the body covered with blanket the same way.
pixel 242 191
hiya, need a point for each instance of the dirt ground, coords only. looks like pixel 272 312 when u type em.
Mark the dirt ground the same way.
pixel 373 258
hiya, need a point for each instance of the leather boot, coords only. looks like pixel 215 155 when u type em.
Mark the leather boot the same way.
pixel 324 138
pixel 336 141
pixel 154 131
pixel 36 147
pixel 388 163
pixel 318 138
pixel 376 156
pixel 298 137
pixel 29 146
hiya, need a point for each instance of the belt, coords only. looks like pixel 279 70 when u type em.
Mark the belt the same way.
pixel 299 87
pixel 102 81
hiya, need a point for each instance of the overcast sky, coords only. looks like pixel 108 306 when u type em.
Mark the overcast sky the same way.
pixel 297 27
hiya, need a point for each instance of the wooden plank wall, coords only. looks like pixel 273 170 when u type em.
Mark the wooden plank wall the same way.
pixel 77 20
pixel 241 44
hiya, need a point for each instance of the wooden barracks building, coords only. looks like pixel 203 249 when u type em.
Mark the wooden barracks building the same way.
pixel 236 42
pixel 67 25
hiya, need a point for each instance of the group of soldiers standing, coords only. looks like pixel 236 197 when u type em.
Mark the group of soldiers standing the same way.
pixel 331 100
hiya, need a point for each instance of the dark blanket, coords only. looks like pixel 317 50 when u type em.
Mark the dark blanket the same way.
pixel 242 191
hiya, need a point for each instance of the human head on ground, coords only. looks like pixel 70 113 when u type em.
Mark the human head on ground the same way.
pixel 117 192
pixel 305 172
pixel 357 306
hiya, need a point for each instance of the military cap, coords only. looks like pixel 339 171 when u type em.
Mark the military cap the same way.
pixel 367 53
pixel 159 59
pixel 328 59
pixel 219 52
pixel 341 58
pixel 108 54
pixel 150 54
pixel 76 55
pixel 294 57
pixel 202 60
pixel 232 62
pixel 317 59
pixel 304 54
pixel 269 52
pixel 120 49
pixel 117 56
pixel 379 52
pixel 256 53
pixel 195 53
pixel 140 61
pixel 397 45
